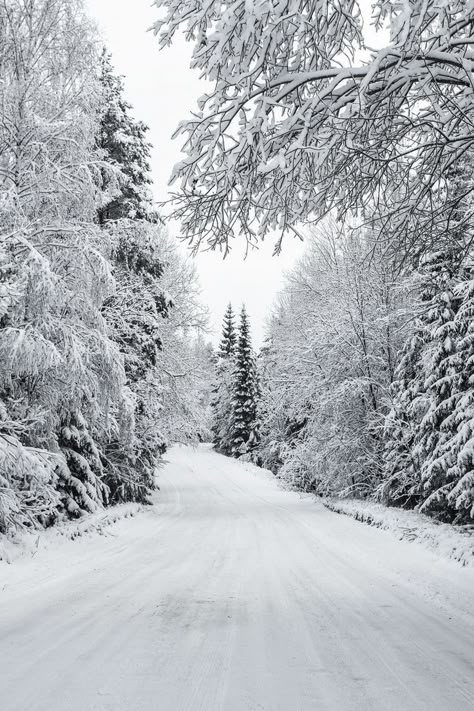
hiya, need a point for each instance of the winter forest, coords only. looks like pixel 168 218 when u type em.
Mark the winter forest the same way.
pixel 346 125
pixel 103 359
pixel 363 386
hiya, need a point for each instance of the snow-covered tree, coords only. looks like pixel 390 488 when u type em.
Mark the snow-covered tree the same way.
pixel 85 402
pixel 134 313
pixel 427 427
pixel 58 364
pixel 151 313
pixel 222 391
pixel 328 364
pixel 455 457
pixel 427 456
pixel 245 393
pixel 229 336
pixel 182 369
pixel 401 467
pixel 302 117
pixel 122 140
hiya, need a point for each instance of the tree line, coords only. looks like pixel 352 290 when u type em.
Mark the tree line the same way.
pixel 367 378
pixel 101 364
pixel 364 385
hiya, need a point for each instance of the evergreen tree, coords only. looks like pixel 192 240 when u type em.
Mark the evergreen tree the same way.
pixel 427 449
pixel 222 391
pixel 401 468
pixel 60 373
pixel 245 393
pixel 427 428
pixel 123 142
pixel 438 366
pixel 456 457
pixel 229 336
pixel 134 313
pixel 444 436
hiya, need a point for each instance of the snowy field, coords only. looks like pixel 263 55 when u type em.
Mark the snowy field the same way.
pixel 231 594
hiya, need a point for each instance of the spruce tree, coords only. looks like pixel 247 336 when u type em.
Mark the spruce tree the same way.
pixel 229 336
pixel 245 393
pixel 427 429
pixel 457 455
pixel 401 468
pixel 124 145
pixel 135 311
pixel 448 468
pixel 222 391
pixel 428 462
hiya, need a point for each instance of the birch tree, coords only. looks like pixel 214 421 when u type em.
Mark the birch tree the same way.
pixel 328 365
pixel 303 118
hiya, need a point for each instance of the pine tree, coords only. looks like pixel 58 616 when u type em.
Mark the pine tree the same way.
pixel 245 393
pixel 135 314
pixel 222 391
pixel 123 142
pixel 136 310
pixel 447 472
pixel 229 336
pixel 418 457
pixel 457 456
pixel 401 469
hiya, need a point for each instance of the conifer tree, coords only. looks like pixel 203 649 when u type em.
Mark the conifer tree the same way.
pixel 124 145
pixel 135 312
pixel 427 459
pixel 222 391
pixel 401 468
pixel 229 336
pixel 245 393
pixel 454 460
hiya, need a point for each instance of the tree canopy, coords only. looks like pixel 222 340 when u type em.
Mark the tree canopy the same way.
pixel 297 124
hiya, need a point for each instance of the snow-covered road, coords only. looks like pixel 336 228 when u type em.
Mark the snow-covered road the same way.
pixel 233 595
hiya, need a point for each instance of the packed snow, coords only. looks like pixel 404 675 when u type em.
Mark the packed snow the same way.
pixel 230 594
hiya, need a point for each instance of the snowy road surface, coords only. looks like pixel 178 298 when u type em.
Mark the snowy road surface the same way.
pixel 232 595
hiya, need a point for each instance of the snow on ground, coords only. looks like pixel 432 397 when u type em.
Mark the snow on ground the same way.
pixel 456 542
pixel 231 594
pixel 16 545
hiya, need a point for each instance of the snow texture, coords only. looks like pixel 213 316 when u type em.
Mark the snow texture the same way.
pixel 446 540
pixel 16 545
pixel 232 594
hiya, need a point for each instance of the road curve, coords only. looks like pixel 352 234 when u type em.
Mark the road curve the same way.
pixel 233 595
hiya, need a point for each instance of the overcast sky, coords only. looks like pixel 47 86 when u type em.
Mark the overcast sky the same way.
pixel 163 90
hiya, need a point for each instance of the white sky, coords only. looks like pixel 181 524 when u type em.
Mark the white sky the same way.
pixel 163 90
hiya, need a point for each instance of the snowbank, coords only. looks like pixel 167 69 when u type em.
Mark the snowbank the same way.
pixel 13 546
pixel 455 542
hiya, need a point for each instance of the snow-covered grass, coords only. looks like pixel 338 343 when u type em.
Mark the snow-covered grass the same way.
pixel 24 543
pixel 455 542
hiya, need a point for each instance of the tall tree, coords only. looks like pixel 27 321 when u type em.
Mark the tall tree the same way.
pixel 229 336
pixel 222 391
pixel 126 192
pixel 136 309
pixel 245 393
